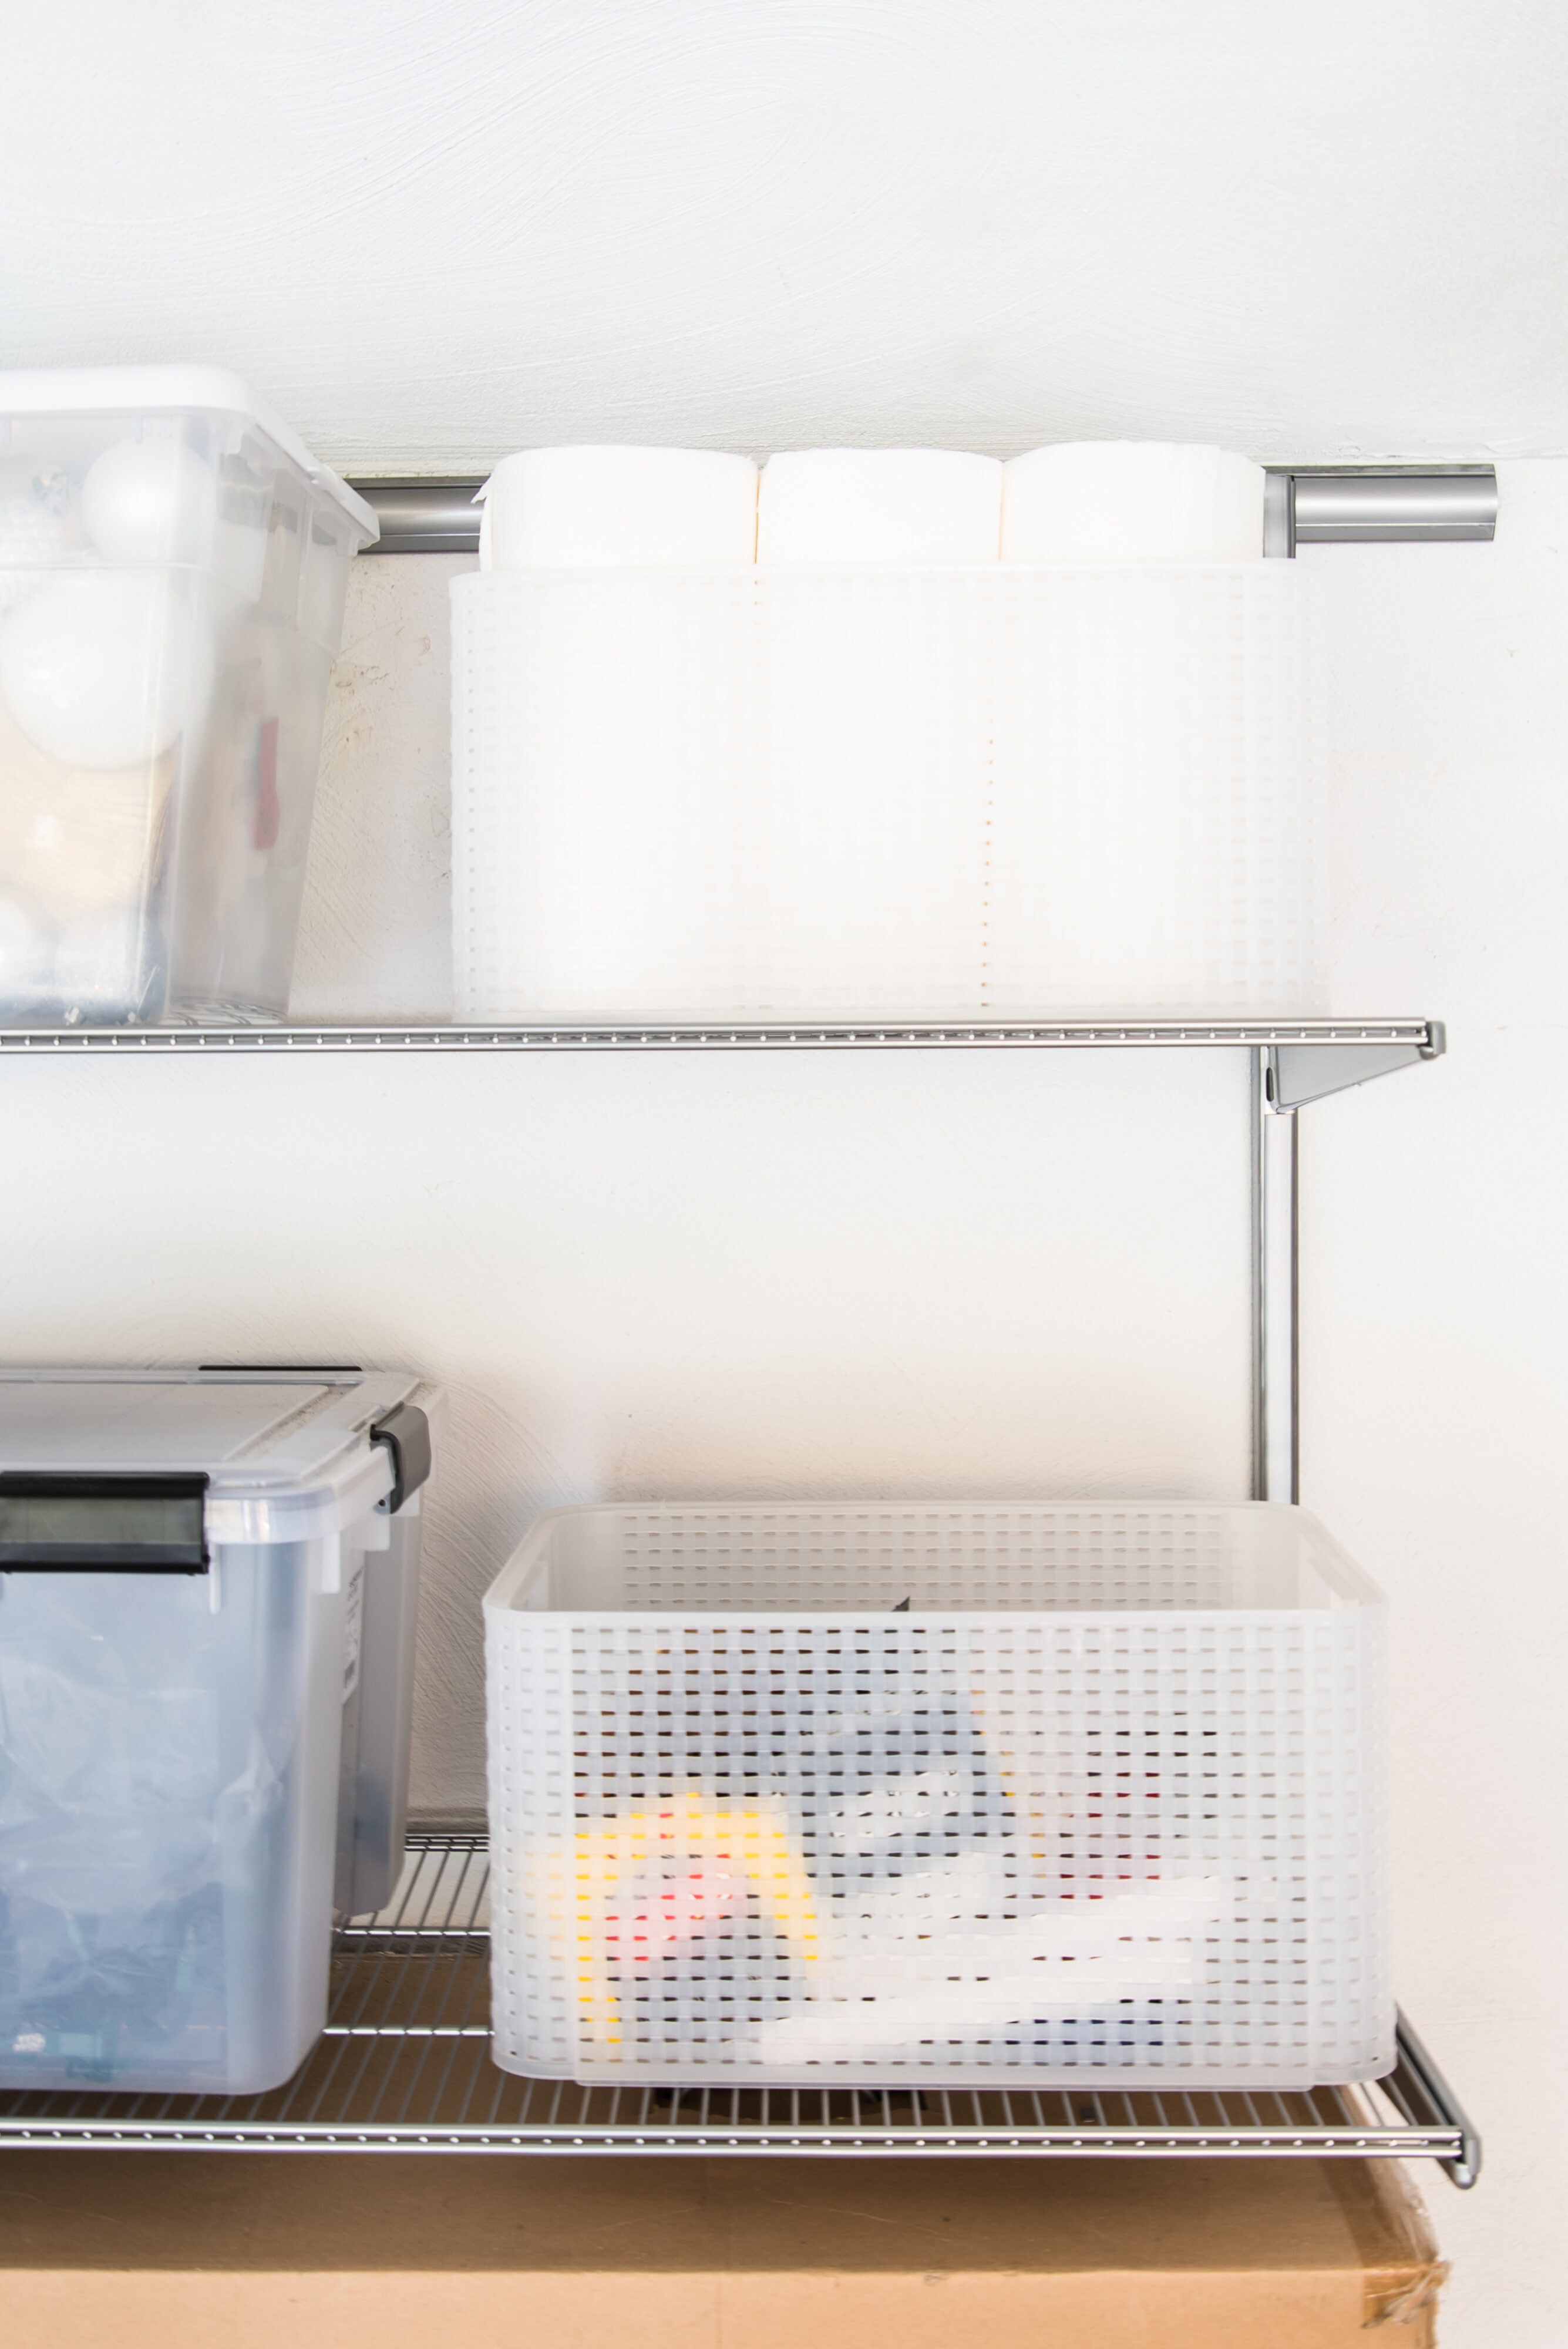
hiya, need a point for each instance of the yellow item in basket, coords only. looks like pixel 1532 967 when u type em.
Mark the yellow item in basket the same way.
pixel 638 1885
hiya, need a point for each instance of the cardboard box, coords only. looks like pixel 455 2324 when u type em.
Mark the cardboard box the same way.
pixel 125 2251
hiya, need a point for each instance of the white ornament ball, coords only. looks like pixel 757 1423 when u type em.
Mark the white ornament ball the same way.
pixel 104 669
pixel 150 501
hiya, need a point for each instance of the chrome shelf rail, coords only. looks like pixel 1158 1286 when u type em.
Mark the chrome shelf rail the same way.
pixel 1306 505
pixel 404 2068
pixel 1379 505
pixel 1307 1058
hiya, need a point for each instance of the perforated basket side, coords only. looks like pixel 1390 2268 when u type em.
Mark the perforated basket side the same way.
pixel 874 791
pixel 766 1848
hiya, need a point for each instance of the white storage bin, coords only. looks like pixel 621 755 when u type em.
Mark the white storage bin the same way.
pixel 206 1656
pixel 857 792
pixel 914 1795
pixel 172 571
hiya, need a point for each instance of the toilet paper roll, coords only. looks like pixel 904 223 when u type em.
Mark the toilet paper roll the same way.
pixel 1131 501
pixel 880 505
pixel 587 507
pixel 74 841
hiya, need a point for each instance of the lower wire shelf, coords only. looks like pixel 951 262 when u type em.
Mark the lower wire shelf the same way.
pixel 404 2067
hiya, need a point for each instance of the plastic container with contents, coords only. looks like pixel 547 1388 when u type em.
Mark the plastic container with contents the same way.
pixel 920 1795
pixel 876 774
pixel 207 1588
pixel 173 570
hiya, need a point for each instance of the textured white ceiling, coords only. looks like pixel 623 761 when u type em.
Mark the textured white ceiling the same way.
pixel 436 229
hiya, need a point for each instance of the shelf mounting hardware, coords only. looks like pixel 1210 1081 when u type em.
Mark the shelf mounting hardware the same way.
pixel 1305 505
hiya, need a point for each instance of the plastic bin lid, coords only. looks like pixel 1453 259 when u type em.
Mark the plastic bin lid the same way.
pixel 289 1453
pixel 121 390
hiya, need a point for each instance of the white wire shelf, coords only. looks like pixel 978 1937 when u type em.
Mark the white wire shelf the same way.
pixel 1421 1037
pixel 1307 1059
pixel 404 2067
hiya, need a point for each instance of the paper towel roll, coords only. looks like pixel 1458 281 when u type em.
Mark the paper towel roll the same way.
pixel 873 736
pixel 605 741
pixel 585 507
pixel 1154 826
pixel 1131 501
pixel 880 505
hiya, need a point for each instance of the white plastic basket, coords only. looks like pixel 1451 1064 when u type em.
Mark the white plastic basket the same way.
pixel 957 789
pixel 941 1794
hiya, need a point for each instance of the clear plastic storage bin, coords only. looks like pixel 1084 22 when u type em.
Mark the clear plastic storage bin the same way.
pixel 927 1795
pixel 952 790
pixel 172 571
pixel 207 1590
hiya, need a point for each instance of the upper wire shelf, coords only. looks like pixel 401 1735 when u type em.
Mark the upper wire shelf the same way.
pixel 404 2067
pixel 1423 1037
pixel 1306 1058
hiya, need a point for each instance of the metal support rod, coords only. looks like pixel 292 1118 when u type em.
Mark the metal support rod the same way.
pixel 1350 505
pixel 1257 1063
pixel 1279 514
pixel 434 517
pixel 1276 1392
pixel 1305 505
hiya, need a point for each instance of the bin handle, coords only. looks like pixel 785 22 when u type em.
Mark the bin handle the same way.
pixel 406 1432
pixel 71 1522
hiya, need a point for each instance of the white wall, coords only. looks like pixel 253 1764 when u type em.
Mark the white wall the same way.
pixel 993 1274
pixel 430 233
pixel 1435 1388
pixel 437 232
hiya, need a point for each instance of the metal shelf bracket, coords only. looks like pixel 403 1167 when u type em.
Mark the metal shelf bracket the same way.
pixel 1299 1073
pixel 1417 2088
